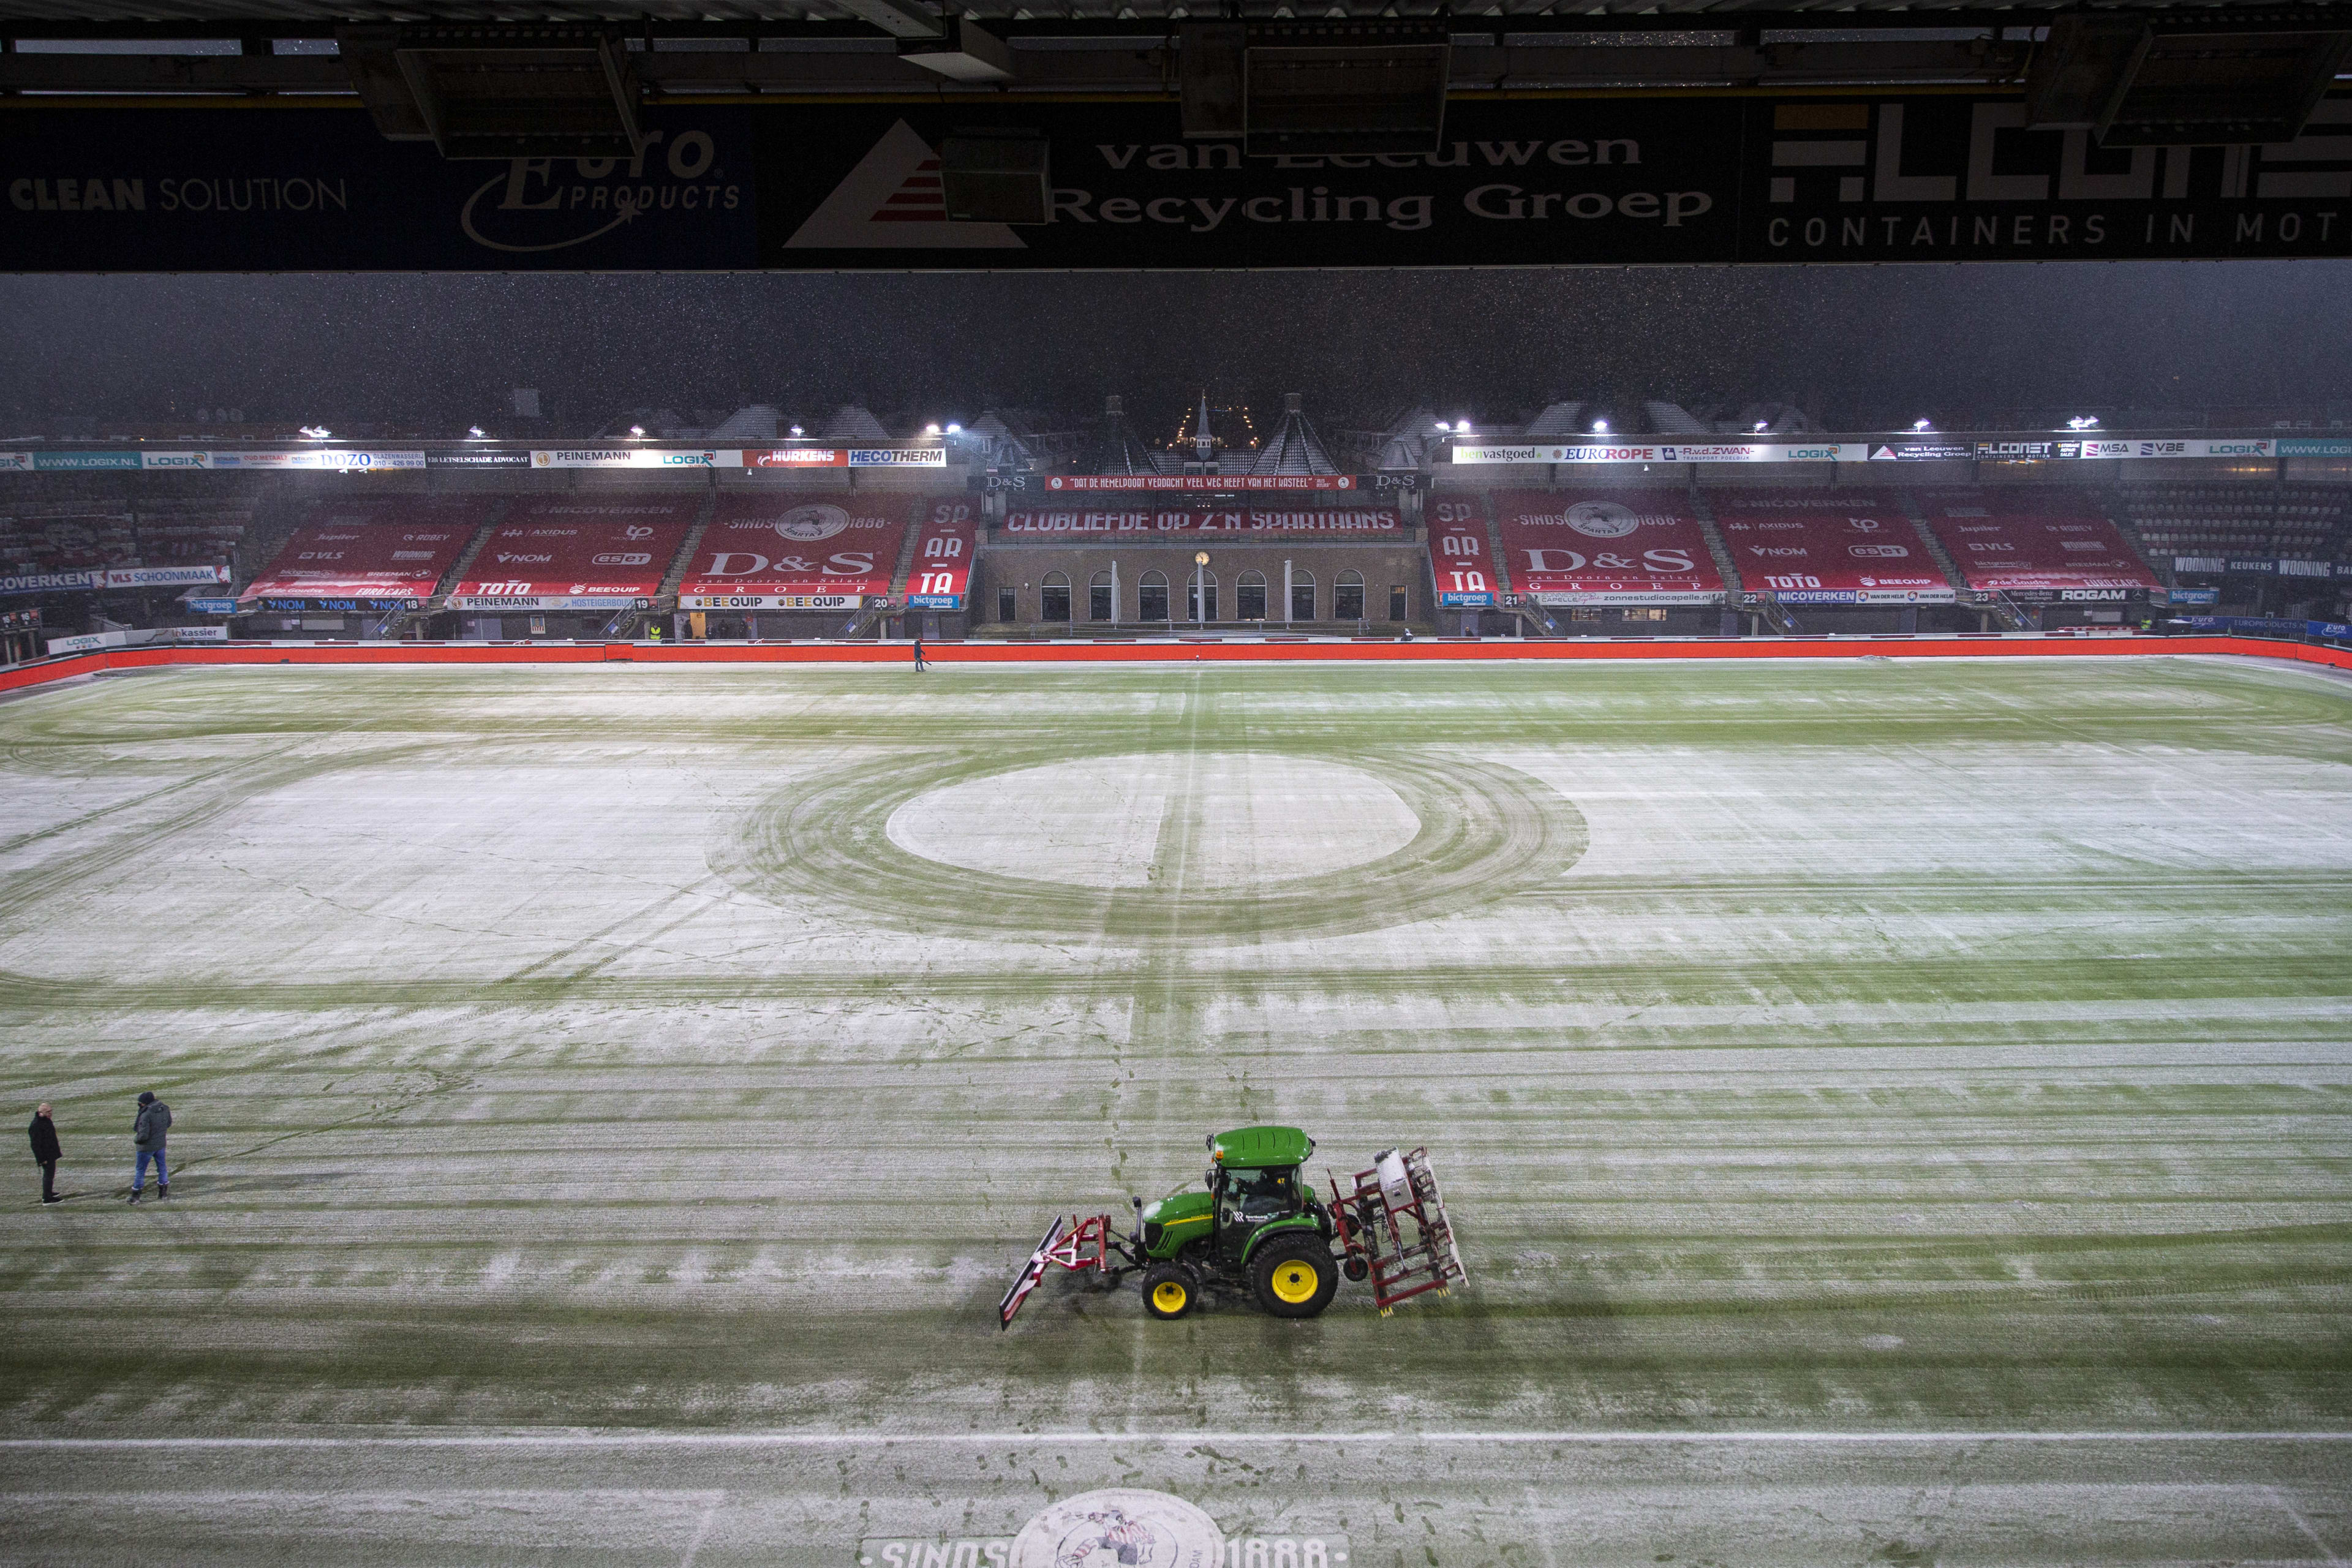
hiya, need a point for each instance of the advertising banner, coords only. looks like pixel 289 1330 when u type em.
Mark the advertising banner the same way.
pixel 847 185
pixel 2314 446
pixel 163 577
pixel 1886 177
pixel 50 582
pixel 329 459
pixel 578 551
pixel 1598 548
pixel 1142 523
pixel 2263 626
pixel 1661 451
pixel 796 552
pixel 798 458
pixel 320 189
pixel 210 607
pixel 1832 547
pixel 2033 538
pixel 2184 448
pixel 635 457
pixel 477 459
pixel 2259 566
pixel 1458 556
pixel 1921 451
pixel 944 552
pixel 83 462
pixel 1236 483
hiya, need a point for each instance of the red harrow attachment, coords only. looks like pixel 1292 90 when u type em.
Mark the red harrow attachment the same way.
pixel 1403 1263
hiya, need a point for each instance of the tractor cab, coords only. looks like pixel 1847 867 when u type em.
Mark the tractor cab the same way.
pixel 1254 1180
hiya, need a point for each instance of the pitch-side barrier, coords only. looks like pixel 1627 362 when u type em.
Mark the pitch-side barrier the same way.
pixel 2008 646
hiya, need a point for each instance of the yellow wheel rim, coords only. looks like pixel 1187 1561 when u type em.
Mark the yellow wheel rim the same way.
pixel 1296 1281
pixel 1168 1296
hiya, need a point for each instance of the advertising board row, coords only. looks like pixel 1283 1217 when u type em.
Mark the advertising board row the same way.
pixel 2259 566
pixel 1869 177
pixel 347 459
pixel 91 579
pixel 2021 451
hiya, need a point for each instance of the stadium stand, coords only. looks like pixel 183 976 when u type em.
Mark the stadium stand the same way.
pixel 190 532
pixel 38 536
pixel 1834 547
pixel 2207 519
pixel 1589 548
pixel 940 572
pixel 796 550
pixel 577 551
pixel 394 551
pixel 2033 538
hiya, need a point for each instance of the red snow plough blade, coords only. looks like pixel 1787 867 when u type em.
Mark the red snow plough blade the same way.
pixel 1079 1242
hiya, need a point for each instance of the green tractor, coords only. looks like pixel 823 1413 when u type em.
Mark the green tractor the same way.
pixel 1257 1229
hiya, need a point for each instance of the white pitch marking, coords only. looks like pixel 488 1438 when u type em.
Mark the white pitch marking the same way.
pixel 616 1440
pixel 702 1531
pixel 2304 1524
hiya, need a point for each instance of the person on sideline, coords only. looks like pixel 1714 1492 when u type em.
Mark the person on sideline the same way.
pixel 919 653
pixel 147 1129
pixel 46 1153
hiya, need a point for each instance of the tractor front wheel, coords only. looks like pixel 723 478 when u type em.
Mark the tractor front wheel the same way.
pixel 1168 1291
pixel 1295 1278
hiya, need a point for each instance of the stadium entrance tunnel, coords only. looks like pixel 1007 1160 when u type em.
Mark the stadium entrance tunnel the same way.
pixel 1203 847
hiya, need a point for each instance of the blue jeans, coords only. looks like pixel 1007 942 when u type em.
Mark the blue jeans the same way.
pixel 139 1178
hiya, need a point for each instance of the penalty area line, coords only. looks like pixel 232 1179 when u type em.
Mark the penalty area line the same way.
pixel 626 1440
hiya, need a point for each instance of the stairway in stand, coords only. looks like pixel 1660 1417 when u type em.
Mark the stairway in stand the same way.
pixel 668 595
pixel 1734 590
pixel 1936 550
pixel 440 599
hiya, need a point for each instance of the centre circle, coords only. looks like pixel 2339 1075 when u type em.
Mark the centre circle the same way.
pixel 1205 821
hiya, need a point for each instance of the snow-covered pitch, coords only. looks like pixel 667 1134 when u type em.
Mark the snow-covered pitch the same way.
pixel 1893 1111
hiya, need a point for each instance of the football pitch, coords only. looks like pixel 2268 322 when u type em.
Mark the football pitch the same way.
pixel 1894 1112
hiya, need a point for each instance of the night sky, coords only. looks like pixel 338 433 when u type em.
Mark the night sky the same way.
pixel 1866 346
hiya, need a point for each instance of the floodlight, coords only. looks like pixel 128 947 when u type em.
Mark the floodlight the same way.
pixel 1462 426
pixel 1759 425
pixel 798 432
pixel 1601 428
pixel 636 432
pixel 474 432
pixel 955 429
pixel 1441 425
pixel 930 429
pixel 1916 425
pixel 2083 422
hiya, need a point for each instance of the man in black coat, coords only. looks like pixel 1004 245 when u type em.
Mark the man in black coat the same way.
pixel 46 1153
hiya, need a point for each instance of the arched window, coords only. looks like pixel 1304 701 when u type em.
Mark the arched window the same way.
pixel 1347 597
pixel 1302 595
pixel 1099 599
pixel 1053 601
pixel 1153 596
pixel 1250 595
pixel 1201 594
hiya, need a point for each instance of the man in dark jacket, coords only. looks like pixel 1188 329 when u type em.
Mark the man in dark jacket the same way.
pixel 147 1131
pixel 46 1153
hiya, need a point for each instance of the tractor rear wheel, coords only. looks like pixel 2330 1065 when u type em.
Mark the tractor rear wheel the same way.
pixel 1168 1291
pixel 1295 1278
